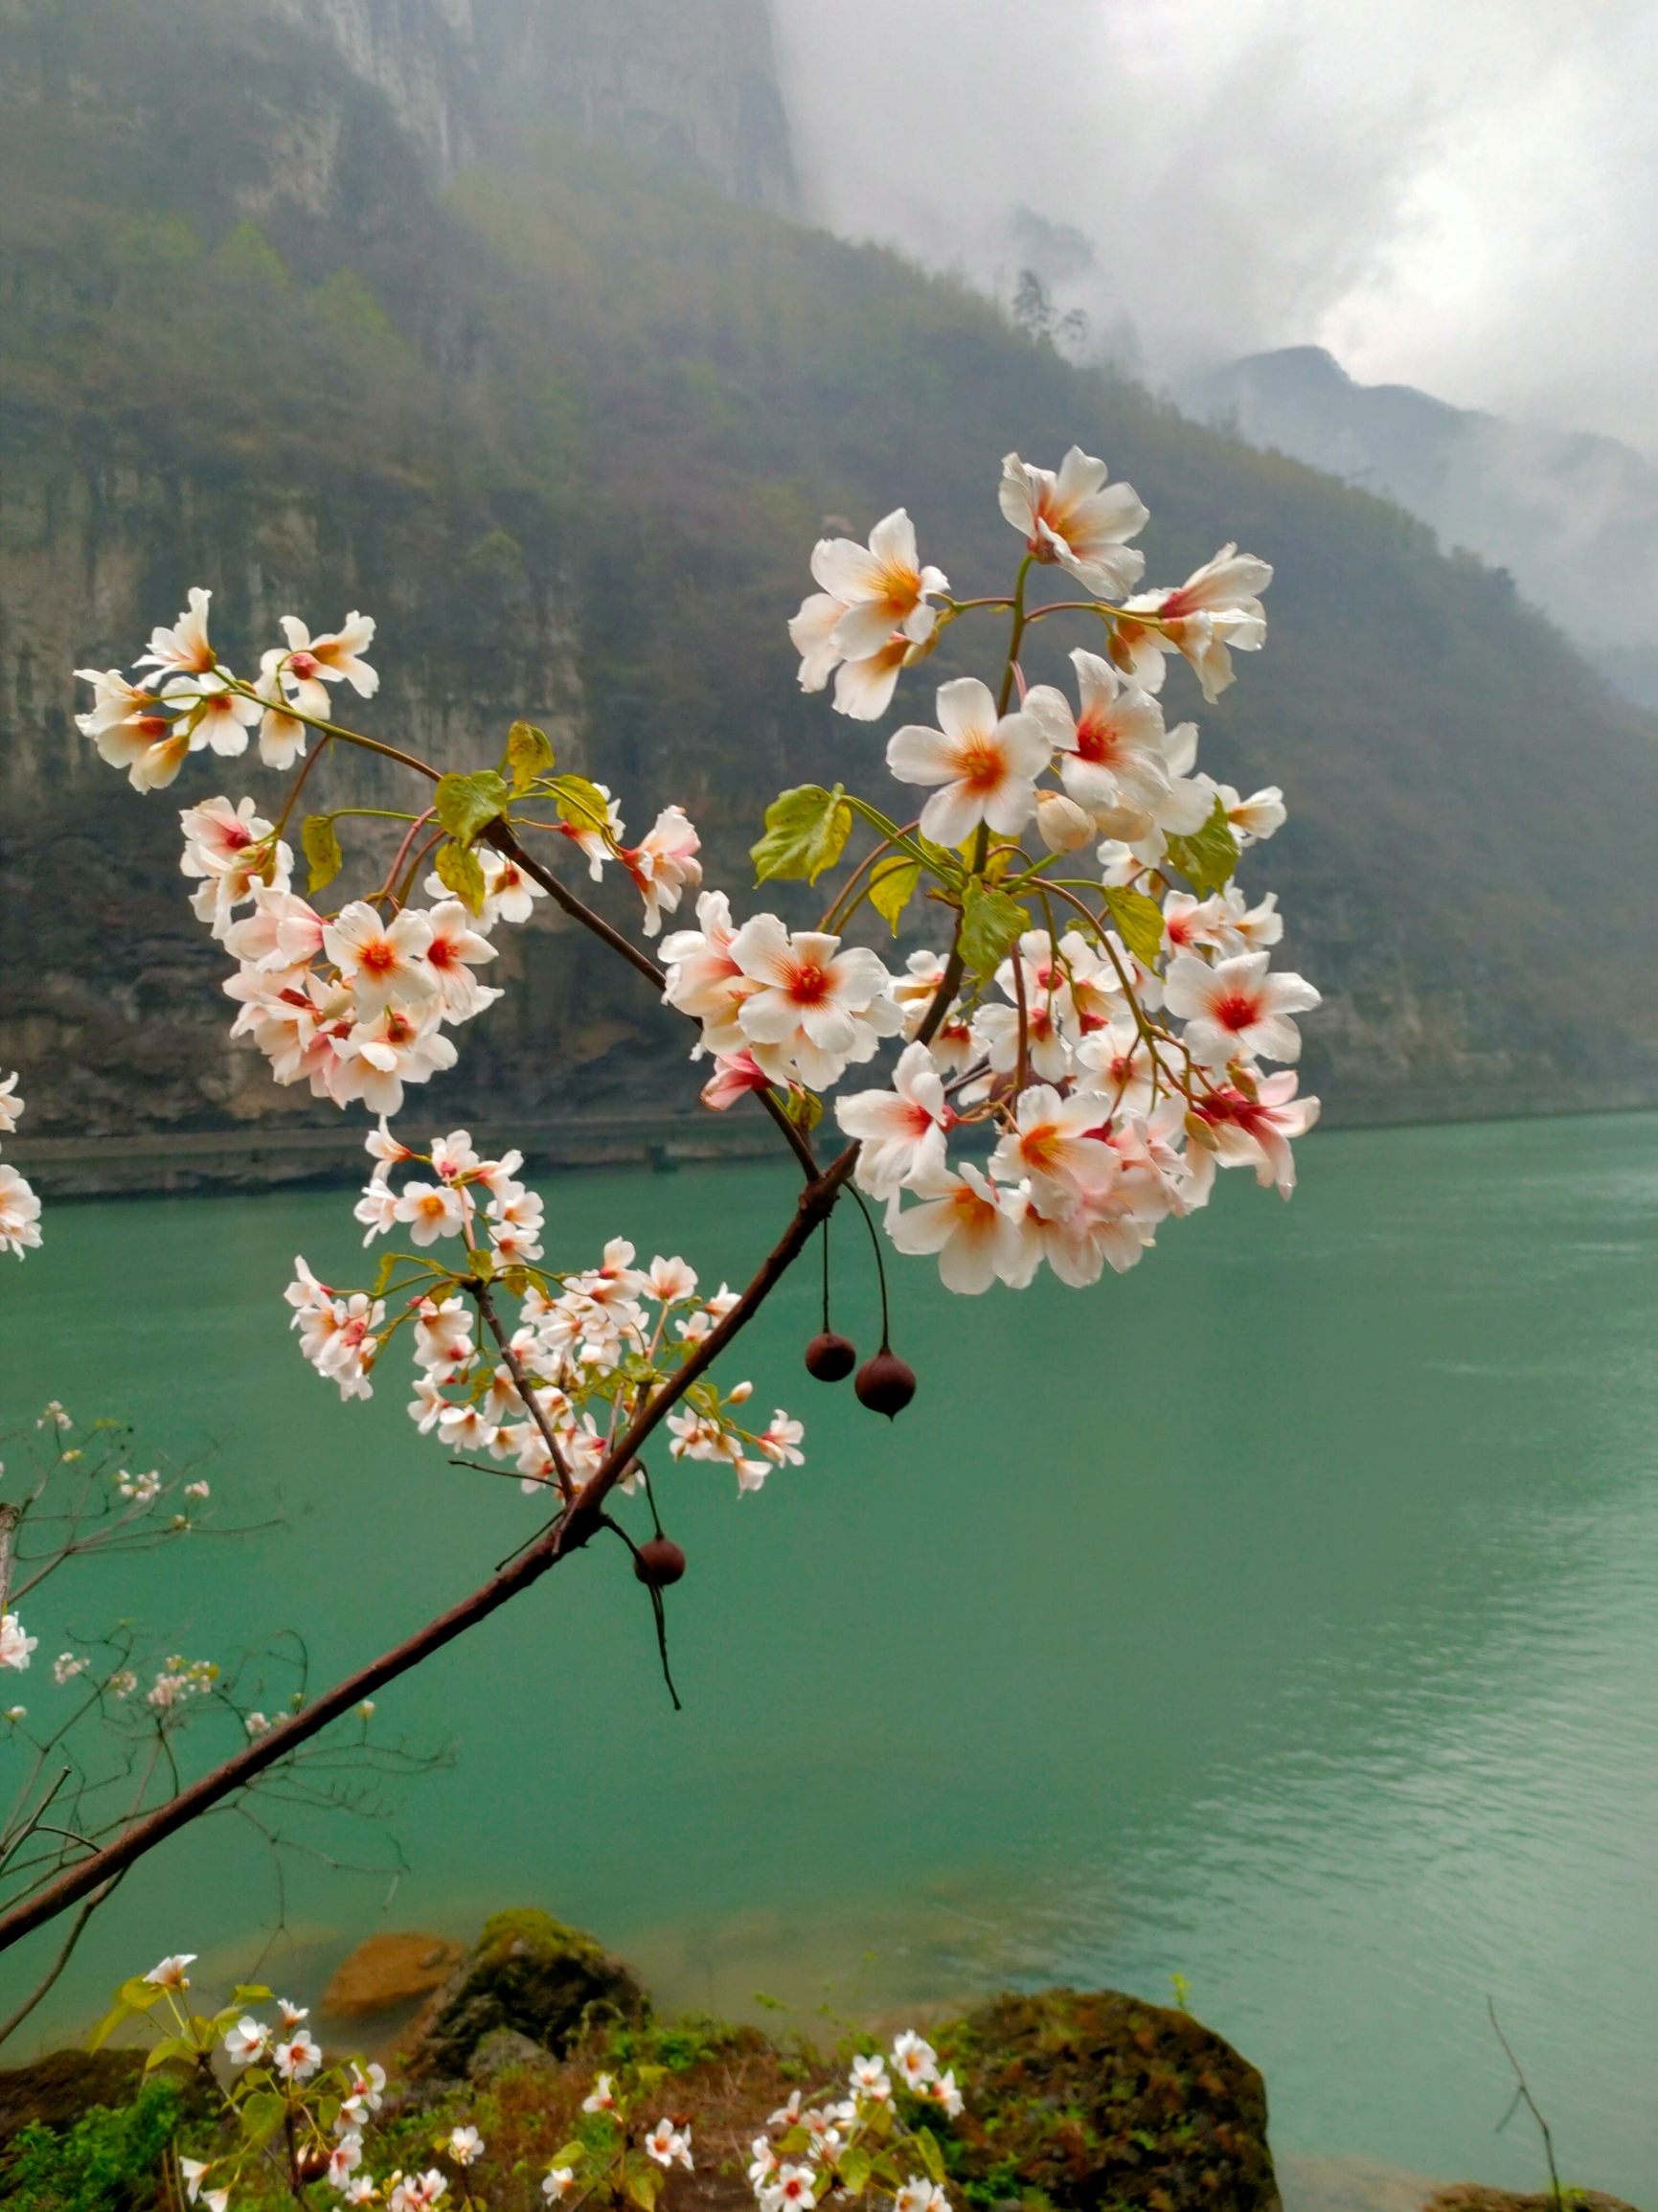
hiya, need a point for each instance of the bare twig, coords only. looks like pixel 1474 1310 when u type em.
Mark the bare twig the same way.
pixel 10 2026
pixel 1523 2095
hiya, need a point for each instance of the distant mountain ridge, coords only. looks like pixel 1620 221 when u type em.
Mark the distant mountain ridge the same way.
pixel 567 421
pixel 1572 516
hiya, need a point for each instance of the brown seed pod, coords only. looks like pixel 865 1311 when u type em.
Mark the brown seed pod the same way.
pixel 886 1383
pixel 830 1357
pixel 659 1561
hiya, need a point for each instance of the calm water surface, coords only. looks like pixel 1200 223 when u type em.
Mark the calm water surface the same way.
pixel 1282 1616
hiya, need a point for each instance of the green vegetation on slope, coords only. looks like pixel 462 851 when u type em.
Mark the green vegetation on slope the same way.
pixel 569 432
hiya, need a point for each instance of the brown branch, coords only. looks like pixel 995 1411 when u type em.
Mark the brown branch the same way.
pixel 567 1534
pixel 521 1382
pixel 500 835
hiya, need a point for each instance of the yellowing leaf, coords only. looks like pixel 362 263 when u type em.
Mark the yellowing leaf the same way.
pixel 991 922
pixel 1138 922
pixel 855 2171
pixel 932 2158
pixel 529 754
pixel 581 804
pixel 805 833
pixel 464 805
pixel 461 871
pixel 1209 856
pixel 891 887
pixel 322 849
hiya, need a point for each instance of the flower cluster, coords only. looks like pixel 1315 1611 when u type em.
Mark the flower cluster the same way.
pixel 19 1207
pixel 588 1347
pixel 833 2145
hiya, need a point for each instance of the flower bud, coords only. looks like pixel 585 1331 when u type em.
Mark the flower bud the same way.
pixel 1060 822
pixel 886 1383
pixel 831 1358
pixel 1124 820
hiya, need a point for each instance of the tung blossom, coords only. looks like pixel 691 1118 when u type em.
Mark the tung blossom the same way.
pixel 1075 519
pixel 1237 1010
pixel 987 765
pixel 1216 608
pixel 814 1006
pixel 901 1132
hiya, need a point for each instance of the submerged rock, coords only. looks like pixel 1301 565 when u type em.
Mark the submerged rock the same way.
pixel 390 1969
pixel 529 1972
pixel 1095 2101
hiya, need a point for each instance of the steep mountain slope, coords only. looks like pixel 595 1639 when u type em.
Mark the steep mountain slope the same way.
pixel 1572 518
pixel 568 424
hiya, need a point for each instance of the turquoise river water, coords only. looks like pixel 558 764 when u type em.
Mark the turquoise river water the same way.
pixel 1283 1616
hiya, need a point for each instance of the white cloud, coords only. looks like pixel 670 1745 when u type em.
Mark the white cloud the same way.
pixel 1457 193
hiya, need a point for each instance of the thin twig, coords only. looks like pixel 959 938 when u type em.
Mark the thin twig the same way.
pixel 1557 2195
pixel 97 1898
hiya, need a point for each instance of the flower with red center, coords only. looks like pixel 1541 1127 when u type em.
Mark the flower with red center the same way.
pixel 663 863
pixel 333 658
pixel 1218 609
pixel 1112 759
pixel 1049 1146
pixel 987 765
pixel 1256 1131
pixel 1074 518
pixel 381 960
pixel 972 1228
pixel 900 1131
pixel 184 647
pixel 1237 1010
pixel 816 1007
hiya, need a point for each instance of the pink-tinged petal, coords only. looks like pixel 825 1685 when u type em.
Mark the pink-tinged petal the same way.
pixel 848 570
pixel 965 708
pixel 1011 805
pixel 950 816
pixel 918 755
pixel 893 541
pixel 864 688
pixel 864 629
pixel 830 1028
pixel 761 948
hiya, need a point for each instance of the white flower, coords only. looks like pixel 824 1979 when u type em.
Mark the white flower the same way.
pixel 986 766
pixel 1237 1009
pixel 291 2014
pixel 344 2159
pixel 1217 607
pixel 456 947
pixel 1256 1133
pixel 168 1972
pixel 66 1666
pixel 213 714
pixel 193 2170
pixel 1257 817
pixel 1075 519
pixel 558 2182
pixel 417 2192
pixel 184 647
pixel 381 961
pixel 791 2189
pixel 432 1210
pixel 868 2078
pixel 815 1007
pixel 20 1212
pixel 14 1646
pixel 882 588
pixel 256 1725
pixel 919 2194
pixel 917 2061
pixel 780 1441
pixel 972 1230
pixel 1113 764
pixel 298 2058
pixel 464 2144
pixel 396 1047
pixel 1050 1147
pixel 669 2145
pixel 601 2097
pixel 944 2091
pixel 663 864
pixel 901 1132
pixel 141 1488
pixel 11 1106
pixel 333 658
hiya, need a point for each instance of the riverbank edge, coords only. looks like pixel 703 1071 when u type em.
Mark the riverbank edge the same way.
pixel 158 1163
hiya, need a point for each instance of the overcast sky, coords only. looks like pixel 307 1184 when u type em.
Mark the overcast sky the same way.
pixel 1461 194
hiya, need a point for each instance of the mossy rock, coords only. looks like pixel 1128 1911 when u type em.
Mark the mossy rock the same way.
pixel 1097 2102
pixel 56 2090
pixel 532 1975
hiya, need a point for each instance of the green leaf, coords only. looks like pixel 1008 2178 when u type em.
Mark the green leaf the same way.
pixel 107 2026
pixel 932 2158
pixel 464 805
pixel 939 859
pixel 581 804
pixel 529 754
pixel 644 2186
pixel 481 1263
pixel 1138 922
pixel 804 1108
pixel 248 1993
pixel 261 2115
pixel 170 2047
pixel 805 833
pixel 462 872
pixel 515 1281
pixel 383 1274
pixel 322 850
pixel 855 2171
pixel 991 922
pixel 1209 856
pixel 572 2154
pixel 891 887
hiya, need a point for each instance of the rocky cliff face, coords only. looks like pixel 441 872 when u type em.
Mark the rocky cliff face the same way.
pixel 694 86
